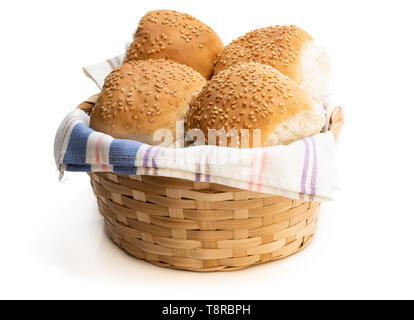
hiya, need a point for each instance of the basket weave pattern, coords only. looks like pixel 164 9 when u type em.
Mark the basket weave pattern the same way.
pixel 198 225
pixel 202 226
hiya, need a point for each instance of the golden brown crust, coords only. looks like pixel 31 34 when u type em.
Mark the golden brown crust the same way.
pixel 247 96
pixel 167 34
pixel 278 46
pixel 142 96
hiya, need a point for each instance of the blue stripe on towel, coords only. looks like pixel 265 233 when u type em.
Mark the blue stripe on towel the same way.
pixel 76 149
pixel 123 152
pixel 78 167
pixel 125 170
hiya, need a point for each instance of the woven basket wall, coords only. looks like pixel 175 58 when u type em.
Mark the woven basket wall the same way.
pixel 202 226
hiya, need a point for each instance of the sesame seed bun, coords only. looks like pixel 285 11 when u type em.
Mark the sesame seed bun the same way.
pixel 256 96
pixel 167 34
pixel 140 97
pixel 289 49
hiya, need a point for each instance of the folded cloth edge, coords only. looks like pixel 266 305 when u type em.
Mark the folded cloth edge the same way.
pixel 78 116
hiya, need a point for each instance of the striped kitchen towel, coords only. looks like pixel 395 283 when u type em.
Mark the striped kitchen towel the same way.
pixel 302 170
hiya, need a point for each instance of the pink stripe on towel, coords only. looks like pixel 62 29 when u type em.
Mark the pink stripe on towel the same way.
pixel 98 152
pixel 262 167
pixel 252 175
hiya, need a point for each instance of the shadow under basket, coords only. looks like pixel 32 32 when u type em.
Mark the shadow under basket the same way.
pixel 201 226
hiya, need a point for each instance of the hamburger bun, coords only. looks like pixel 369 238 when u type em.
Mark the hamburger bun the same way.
pixel 140 97
pixel 289 49
pixel 167 34
pixel 255 96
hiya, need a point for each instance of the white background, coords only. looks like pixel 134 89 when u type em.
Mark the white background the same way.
pixel 52 240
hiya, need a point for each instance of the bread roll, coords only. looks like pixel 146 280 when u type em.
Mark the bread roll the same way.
pixel 176 36
pixel 256 96
pixel 289 49
pixel 140 97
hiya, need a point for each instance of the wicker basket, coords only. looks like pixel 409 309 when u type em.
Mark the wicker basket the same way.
pixel 202 226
